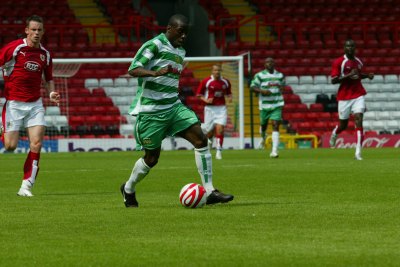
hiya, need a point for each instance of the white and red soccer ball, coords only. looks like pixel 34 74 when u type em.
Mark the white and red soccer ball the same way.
pixel 193 196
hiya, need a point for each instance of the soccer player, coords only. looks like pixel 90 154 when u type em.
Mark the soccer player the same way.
pixel 24 62
pixel 160 113
pixel 212 91
pixel 347 71
pixel 269 84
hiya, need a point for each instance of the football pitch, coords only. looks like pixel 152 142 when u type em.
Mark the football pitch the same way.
pixel 310 207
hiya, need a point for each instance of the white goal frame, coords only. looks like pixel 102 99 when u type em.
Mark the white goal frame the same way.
pixel 239 59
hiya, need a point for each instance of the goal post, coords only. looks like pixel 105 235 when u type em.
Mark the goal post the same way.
pixel 69 69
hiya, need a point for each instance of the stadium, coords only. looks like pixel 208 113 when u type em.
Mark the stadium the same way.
pixel 314 206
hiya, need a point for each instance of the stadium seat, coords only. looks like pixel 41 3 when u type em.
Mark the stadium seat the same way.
pixel 126 129
pixel 392 125
pixel 383 115
pixel 389 87
pixel 106 82
pixel 292 80
pixel 378 79
pixel 306 79
pixel 320 79
pixel 370 115
pixel 91 83
pixel 391 78
pixel 391 106
pixel 121 82
pixel 52 110
pixel 394 96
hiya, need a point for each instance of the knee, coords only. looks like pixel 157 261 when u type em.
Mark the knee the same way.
pixel 200 142
pixel 151 161
pixel 36 147
pixel 10 147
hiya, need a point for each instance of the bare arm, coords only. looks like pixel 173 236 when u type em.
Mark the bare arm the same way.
pixel 142 72
pixel 259 91
pixel 51 89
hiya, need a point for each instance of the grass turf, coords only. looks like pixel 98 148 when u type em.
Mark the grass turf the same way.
pixel 307 208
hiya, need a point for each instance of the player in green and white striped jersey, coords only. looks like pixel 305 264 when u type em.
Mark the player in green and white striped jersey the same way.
pixel 269 84
pixel 158 65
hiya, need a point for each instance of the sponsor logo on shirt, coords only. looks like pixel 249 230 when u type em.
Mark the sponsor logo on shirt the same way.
pixel 32 66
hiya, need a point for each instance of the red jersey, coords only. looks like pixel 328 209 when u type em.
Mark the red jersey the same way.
pixel 349 88
pixel 216 89
pixel 23 67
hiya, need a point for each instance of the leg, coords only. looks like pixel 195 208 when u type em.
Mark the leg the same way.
pixel 358 117
pixel 219 129
pixel 139 172
pixel 10 140
pixel 275 138
pixel 264 118
pixel 31 166
pixel 204 163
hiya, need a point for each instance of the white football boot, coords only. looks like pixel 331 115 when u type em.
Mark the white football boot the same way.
pixel 25 192
pixel 357 156
pixel 274 155
pixel 218 155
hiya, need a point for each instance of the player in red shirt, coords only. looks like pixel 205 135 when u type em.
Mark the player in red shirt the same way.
pixel 347 71
pixel 212 91
pixel 24 62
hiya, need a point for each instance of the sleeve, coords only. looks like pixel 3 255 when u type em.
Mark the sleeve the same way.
pixel 144 55
pixel 335 72
pixel 229 89
pixel 201 88
pixel 48 71
pixel 255 82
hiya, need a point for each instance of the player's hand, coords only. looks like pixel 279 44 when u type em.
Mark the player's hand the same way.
pixel 354 74
pixel 370 76
pixel 55 97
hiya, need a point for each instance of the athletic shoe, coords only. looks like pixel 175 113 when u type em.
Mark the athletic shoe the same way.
pixel 274 155
pixel 332 140
pixel 261 145
pixel 24 192
pixel 218 197
pixel 218 155
pixel 129 199
pixel 358 157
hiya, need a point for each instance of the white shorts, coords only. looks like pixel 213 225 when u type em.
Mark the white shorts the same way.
pixel 214 115
pixel 27 114
pixel 346 107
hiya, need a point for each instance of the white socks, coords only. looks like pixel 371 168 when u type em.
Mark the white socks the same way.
pixel 139 171
pixel 204 166
pixel 359 142
pixel 275 142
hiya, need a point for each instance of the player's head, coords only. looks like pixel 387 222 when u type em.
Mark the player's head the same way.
pixel 216 71
pixel 34 29
pixel 177 30
pixel 349 48
pixel 269 64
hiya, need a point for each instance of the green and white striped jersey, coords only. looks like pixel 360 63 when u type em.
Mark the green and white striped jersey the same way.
pixel 157 94
pixel 272 82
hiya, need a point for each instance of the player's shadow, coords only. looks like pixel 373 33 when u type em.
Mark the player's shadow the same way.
pixel 263 203
pixel 78 194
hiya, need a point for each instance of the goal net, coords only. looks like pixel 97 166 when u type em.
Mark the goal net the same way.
pixel 96 95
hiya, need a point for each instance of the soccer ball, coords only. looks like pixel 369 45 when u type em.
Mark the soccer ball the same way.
pixel 193 196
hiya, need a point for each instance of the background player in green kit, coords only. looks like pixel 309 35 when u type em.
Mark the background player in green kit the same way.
pixel 160 113
pixel 269 84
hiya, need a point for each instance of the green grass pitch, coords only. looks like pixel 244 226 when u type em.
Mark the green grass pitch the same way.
pixel 308 208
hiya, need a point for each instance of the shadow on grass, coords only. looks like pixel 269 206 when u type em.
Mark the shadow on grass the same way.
pixel 78 194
